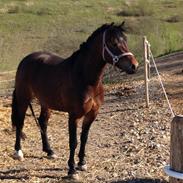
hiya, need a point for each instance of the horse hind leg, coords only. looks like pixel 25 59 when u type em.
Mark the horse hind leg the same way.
pixel 19 107
pixel 43 123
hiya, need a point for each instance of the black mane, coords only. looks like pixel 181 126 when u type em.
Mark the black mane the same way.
pixel 84 46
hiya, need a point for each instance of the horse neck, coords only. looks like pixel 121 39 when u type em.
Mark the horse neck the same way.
pixel 92 64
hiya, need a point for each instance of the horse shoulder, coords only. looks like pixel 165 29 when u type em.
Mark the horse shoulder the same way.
pixel 94 98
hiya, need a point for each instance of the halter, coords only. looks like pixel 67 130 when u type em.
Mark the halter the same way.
pixel 115 58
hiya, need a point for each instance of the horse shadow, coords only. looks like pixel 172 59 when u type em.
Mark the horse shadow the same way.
pixel 139 180
pixel 24 174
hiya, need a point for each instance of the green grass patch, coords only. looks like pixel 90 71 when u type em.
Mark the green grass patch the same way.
pixel 61 26
pixel 137 9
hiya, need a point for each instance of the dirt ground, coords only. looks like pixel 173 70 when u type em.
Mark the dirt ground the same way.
pixel 128 143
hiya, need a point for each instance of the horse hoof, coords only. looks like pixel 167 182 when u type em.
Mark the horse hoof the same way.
pixel 52 156
pixel 73 176
pixel 82 167
pixel 18 155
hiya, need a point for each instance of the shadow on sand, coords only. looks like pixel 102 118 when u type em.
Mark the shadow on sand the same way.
pixel 145 180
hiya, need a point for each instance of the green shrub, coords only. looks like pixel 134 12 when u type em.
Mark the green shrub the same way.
pixel 174 19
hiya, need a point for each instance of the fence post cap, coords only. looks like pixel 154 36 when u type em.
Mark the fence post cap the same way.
pixel 172 173
pixel 179 116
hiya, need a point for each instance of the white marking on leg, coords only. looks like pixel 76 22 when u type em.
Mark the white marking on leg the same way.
pixel 53 156
pixel 19 155
pixel 74 176
pixel 82 167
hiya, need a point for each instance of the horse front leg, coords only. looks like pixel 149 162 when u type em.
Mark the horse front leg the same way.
pixel 72 144
pixel 88 119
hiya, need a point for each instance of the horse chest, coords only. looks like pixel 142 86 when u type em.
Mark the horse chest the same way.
pixel 93 100
pixel 72 99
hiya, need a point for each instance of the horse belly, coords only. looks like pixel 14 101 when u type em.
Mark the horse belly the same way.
pixel 57 100
pixel 52 101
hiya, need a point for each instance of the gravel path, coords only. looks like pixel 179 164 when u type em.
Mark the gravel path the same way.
pixel 128 143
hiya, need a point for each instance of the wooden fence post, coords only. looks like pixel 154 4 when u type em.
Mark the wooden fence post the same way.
pixel 146 79
pixel 148 60
pixel 176 147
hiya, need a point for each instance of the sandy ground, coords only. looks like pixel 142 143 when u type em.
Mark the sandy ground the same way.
pixel 128 143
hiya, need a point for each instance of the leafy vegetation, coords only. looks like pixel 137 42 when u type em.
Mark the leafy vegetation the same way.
pixel 60 26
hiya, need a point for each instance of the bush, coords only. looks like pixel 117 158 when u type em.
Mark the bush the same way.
pixel 174 19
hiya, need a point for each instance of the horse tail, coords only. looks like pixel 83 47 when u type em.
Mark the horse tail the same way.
pixel 14 114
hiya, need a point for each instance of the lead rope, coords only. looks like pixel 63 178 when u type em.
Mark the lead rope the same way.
pixel 30 105
pixel 164 91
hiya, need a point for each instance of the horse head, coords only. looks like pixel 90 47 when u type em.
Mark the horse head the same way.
pixel 115 49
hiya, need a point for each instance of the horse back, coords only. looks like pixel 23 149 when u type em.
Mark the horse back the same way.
pixel 37 69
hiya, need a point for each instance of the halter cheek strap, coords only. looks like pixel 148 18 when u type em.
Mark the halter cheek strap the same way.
pixel 115 58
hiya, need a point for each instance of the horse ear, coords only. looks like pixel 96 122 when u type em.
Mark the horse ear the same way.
pixel 112 24
pixel 122 24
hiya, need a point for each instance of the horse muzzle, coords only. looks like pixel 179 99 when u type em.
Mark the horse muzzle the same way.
pixel 132 69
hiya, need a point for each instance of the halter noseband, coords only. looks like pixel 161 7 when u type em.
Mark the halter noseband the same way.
pixel 115 58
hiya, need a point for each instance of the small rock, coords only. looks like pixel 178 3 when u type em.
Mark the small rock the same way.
pixel 115 175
